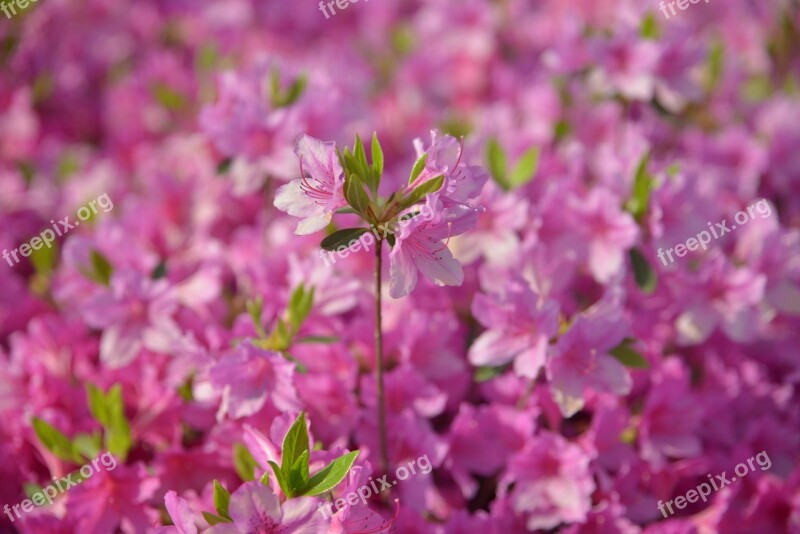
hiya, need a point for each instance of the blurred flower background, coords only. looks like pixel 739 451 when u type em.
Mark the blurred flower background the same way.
pixel 564 380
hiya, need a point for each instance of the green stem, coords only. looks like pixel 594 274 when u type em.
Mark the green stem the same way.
pixel 379 358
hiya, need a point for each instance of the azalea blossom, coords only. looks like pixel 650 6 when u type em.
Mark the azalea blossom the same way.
pixel 318 193
pixel 422 245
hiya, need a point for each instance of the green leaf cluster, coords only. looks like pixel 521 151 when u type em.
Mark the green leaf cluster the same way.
pixel 524 169
pixel 280 98
pixel 109 410
pixel 286 327
pixel 293 473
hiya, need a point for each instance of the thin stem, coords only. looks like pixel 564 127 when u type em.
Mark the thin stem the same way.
pixel 379 358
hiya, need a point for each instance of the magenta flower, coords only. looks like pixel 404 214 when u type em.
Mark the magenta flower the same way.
pixel 317 194
pixel 581 359
pixel 421 245
pixel 254 508
pixel 520 324
pixel 551 482
pixel 462 182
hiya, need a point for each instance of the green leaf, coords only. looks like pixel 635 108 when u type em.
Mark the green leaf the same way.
pixel 525 168
pixel 496 160
pixel 160 271
pixel 486 373
pixel 44 259
pixel 318 339
pixel 276 470
pixel 359 153
pixel 97 404
pixel 342 238
pixel 294 444
pixel 644 275
pixel 101 268
pixel 355 194
pixel 330 475
pixel 419 192
pixel 300 304
pixel 31 488
pixel 87 445
pixel 628 356
pixel 244 463
pixel 54 440
pixel 168 97
pixel 649 28
pixel 419 166
pixel 298 474
pixel 213 519
pixel 715 65
pixel 377 156
pixel 294 92
pixel 222 500
pixel 117 430
pixel 643 182
pixel 224 166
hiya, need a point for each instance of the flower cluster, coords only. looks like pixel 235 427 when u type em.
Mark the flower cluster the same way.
pixel 522 166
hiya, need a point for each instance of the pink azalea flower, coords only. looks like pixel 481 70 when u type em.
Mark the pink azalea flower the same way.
pixel 181 515
pixel 520 323
pixel 318 193
pixel 114 499
pixel 581 359
pixel 609 230
pixel 462 182
pixel 134 313
pixel 421 246
pixel 552 483
pixel 255 508
pixel 358 518
pixel 248 377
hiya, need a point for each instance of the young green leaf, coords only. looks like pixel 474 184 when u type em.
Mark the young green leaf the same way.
pixel 419 166
pixel 298 474
pixel 377 156
pixel 496 160
pixel 294 444
pixel 330 475
pixel 97 404
pixel 342 238
pixel 644 275
pixel 101 268
pixel 525 168
pixel 355 194
pixel 639 201
pixel 276 470
pixel 87 445
pixel 419 192
pixel 213 519
pixel 244 463
pixel 54 440
pixel 117 431
pixel 318 339
pixel 222 500
pixel 300 306
pixel 628 356
pixel 255 309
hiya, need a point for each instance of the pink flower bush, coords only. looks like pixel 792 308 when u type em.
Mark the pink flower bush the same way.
pixel 274 316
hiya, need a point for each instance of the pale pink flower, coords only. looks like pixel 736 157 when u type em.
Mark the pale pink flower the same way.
pixel 318 193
